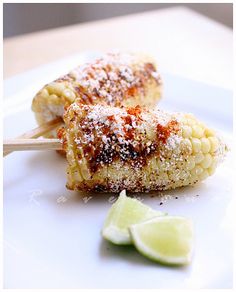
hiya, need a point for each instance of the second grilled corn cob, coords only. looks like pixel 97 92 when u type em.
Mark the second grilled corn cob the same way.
pixel 114 79
pixel 111 149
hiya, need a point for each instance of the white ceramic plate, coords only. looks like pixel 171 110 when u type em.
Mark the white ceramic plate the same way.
pixel 52 235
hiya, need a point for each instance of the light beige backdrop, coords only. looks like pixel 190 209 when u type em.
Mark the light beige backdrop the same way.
pixel 24 18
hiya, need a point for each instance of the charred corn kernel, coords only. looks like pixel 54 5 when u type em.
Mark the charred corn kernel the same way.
pixel 115 79
pixel 206 146
pixel 187 131
pixel 196 143
pixel 199 157
pixel 214 143
pixel 110 149
pixel 206 163
pixel 197 131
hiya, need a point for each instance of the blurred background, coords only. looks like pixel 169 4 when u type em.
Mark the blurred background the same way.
pixel 19 18
pixel 191 40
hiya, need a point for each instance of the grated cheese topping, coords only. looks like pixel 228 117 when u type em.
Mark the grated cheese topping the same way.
pixel 113 77
pixel 127 134
pixel 133 148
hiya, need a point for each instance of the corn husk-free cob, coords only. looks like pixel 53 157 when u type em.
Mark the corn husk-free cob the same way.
pixel 115 79
pixel 111 149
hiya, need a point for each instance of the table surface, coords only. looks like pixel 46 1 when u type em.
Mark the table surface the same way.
pixel 183 42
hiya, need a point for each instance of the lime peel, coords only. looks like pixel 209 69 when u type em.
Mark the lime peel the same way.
pixel 167 239
pixel 123 213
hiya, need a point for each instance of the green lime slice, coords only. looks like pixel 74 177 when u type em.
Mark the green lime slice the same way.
pixel 166 239
pixel 123 213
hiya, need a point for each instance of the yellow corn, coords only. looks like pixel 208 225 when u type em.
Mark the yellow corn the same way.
pixel 112 149
pixel 115 79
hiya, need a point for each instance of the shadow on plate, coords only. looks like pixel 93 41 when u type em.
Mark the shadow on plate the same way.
pixel 51 162
pixel 128 253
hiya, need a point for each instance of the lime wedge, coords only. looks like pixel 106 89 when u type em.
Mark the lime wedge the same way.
pixel 123 213
pixel 166 239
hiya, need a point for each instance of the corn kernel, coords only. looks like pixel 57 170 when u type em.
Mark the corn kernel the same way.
pixel 214 143
pixel 69 94
pixel 201 124
pixel 212 168
pixel 55 88
pixel 206 146
pixel 209 132
pixel 190 116
pixel 199 157
pixel 204 174
pixel 187 131
pixel 206 161
pixel 164 177
pixel 196 171
pixel 161 165
pixel 153 164
pixel 191 122
pixel 44 93
pixel 74 74
pixel 190 163
pixel 197 131
pixel 196 143
pixel 54 99
pixel 77 176
pixel 186 144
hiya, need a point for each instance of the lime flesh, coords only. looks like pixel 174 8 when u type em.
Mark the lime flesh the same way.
pixel 166 239
pixel 123 213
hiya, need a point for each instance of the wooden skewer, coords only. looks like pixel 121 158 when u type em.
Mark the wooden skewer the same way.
pixel 39 131
pixel 31 144
pixel 42 129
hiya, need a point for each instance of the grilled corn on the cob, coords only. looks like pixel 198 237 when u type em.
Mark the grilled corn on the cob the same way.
pixel 114 79
pixel 111 149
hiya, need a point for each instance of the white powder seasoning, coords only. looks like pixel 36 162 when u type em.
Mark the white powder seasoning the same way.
pixel 132 148
pixel 112 75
